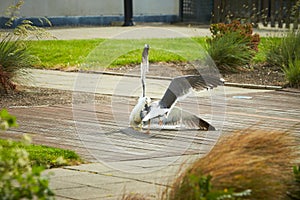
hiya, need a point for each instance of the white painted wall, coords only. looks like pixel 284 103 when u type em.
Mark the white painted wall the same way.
pixel 92 7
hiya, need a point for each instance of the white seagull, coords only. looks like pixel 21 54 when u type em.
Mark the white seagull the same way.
pixel 164 110
pixel 140 109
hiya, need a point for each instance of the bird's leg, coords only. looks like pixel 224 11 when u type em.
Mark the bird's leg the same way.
pixel 148 131
pixel 160 121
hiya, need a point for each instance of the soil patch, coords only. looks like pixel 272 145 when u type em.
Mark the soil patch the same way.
pixel 260 74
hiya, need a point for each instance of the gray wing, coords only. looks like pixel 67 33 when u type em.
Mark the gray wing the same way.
pixel 182 85
pixel 180 119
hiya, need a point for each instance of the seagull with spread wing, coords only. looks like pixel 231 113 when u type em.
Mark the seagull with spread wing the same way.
pixel 164 111
pixel 179 88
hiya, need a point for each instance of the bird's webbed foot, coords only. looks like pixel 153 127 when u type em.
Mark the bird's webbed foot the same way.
pixel 148 130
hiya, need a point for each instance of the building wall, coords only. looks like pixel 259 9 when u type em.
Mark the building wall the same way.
pixel 91 12
pixel 49 8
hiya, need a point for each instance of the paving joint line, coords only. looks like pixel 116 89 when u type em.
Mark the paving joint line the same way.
pixel 111 175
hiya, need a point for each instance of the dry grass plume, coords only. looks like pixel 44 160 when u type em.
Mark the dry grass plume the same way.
pixel 250 159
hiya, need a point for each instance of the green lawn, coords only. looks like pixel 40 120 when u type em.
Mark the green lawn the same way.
pixel 96 53
pixel 44 156
pixel 61 53
pixel 100 53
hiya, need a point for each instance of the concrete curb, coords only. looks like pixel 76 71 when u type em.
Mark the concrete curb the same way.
pixel 253 86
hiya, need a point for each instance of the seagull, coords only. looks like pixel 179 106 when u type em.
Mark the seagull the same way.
pixel 164 111
pixel 179 88
pixel 141 108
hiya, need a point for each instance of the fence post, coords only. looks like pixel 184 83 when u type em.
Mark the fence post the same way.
pixel 216 17
pixel 265 12
pixel 254 13
pixel 273 13
pixel 288 14
pixel 280 15
pixel 128 14
pixel 296 15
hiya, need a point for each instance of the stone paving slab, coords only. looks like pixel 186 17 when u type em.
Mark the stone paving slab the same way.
pixel 109 84
pixel 97 181
pixel 86 184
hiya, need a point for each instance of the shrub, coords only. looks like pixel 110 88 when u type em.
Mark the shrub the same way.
pixel 230 51
pixel 244 30
pixel 255 160
pixel 285 54
pixel 292 73
pixel 14 55
pixel 287 49
pixel 232 45
pixel 7 120
pixel 18 180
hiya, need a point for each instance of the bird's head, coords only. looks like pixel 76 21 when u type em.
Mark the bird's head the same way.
pixel 147 101
pixel 144 101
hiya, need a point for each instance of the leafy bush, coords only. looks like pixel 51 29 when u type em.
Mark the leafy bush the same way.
pixel 7 120
pixel 248 159
pixel 18 180
pixel 232 45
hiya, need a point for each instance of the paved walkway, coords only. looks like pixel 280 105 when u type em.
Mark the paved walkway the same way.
pixel 134 32
pixel 149 176
pixel 96 180
pixel 143 31
pixel 109 84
